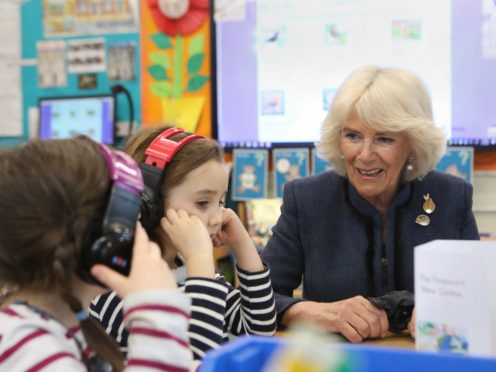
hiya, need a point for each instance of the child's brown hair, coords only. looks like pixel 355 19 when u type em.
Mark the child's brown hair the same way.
pixel 53 196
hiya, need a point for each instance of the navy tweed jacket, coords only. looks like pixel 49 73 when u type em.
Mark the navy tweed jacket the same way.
pixel 330 237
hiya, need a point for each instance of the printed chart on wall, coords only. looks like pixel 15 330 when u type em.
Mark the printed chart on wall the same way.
pixel 10 58
pixel 51 63
pixel 71 18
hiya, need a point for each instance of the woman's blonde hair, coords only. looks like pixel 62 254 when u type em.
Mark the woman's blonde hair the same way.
pixel 388 100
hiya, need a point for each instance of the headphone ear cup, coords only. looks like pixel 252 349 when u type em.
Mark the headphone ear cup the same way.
pixel 152 210
pixel 113 250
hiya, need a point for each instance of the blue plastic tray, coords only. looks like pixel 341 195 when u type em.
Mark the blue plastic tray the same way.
pixel 249 354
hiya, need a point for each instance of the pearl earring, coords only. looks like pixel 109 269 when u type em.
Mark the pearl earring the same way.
pixel 409 166
pixel 341 157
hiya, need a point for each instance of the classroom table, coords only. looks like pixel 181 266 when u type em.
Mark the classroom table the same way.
pixel 400 340
pixel 396 340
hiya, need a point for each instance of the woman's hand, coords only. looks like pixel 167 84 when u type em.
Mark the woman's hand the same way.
pixel 148 269
pixel 355 318
pixel 411 324
pixel 190 237
pixel 234 234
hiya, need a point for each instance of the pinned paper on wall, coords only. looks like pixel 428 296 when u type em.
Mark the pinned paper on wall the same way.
pixel 249 174
pixel 69 18
pixel 51 64
pixel 86 55
pixel 10 69
pixel 289 164
pixel 121 61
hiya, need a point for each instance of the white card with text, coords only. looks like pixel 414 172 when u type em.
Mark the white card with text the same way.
pixel 455 297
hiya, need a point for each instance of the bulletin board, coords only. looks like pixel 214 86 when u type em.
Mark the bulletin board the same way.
pixel 32 31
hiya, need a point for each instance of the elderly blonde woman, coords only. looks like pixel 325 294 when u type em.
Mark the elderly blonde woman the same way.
pixel 349 234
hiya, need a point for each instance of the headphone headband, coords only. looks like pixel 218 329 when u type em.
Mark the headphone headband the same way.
pixel 123 170
pixel 160 152
pixel 162 149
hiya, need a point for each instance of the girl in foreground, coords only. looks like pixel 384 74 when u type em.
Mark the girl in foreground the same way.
pixel 59 216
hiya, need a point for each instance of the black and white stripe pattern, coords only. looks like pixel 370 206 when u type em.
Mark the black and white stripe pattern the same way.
pixel 217 310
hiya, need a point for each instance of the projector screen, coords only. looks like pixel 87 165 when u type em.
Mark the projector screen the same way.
pixel 66 117
pixel 278 63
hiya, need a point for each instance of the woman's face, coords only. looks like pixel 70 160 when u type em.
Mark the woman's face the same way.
pixel 373 160
pixel 202 194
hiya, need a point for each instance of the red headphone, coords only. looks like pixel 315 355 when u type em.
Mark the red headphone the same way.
pixel 160 152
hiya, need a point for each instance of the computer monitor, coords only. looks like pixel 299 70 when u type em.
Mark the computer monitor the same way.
pixel 66 117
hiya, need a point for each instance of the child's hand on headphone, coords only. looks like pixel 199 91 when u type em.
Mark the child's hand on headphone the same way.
pixel 148 269
pixel 191 239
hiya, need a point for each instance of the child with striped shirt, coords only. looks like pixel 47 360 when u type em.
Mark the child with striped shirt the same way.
pixel 68 212
pixel 185 214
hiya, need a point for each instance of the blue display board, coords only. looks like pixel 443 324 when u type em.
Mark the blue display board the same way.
pixel 32 32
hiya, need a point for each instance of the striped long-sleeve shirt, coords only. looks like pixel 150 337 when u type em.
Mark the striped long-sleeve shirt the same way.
pixel 217 310
pixel 157 322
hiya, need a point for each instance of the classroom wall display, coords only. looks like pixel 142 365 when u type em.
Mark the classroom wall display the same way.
pixel 74 60
pixel 289 164
pixel 458 161
pixel 121 32
pixel 249 174
pixel 175 68
pixel 320 165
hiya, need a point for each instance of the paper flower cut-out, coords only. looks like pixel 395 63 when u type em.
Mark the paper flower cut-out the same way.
pixel 179 17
